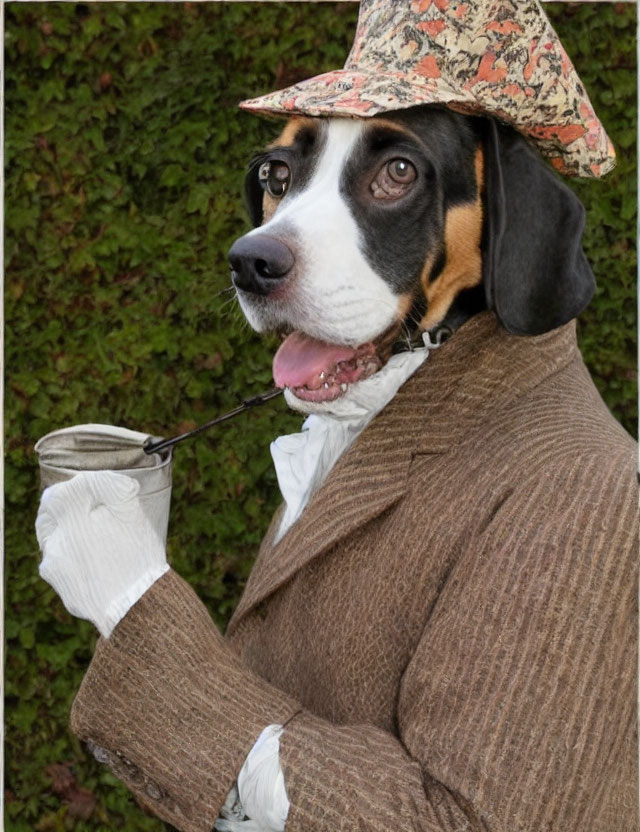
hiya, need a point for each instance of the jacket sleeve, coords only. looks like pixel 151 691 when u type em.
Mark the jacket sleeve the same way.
pixel 173 712
pixel 511 713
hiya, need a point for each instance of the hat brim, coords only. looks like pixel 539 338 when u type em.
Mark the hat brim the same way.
pixel 345 93
pixel 359 94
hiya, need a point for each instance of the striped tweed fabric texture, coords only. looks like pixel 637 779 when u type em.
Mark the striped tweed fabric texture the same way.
pixel 448 632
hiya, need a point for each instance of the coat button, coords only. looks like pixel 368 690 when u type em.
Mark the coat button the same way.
pixel 132 770
pixel 153 790
pixel 101 754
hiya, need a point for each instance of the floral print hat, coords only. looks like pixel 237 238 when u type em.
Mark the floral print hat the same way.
pixel 480 57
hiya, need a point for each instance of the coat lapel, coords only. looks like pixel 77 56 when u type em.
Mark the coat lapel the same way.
pixel 458 386
pixel 370 477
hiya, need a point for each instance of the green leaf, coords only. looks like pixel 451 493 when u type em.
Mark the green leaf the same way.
pixel 198 199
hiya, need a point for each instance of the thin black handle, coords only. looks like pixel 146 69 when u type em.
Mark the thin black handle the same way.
pixel 154 447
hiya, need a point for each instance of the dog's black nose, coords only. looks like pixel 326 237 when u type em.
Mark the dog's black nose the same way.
pixel 259 263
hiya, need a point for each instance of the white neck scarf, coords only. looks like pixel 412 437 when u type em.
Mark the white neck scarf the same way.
pixel 303 460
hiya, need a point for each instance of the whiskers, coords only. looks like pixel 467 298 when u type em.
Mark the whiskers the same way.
pixel 411 331
pixel 227 290
pixel 230 309
pixel 228 303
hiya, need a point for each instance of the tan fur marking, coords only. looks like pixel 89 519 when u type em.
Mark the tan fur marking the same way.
pixel 390 125
pixel 405 302
pixel 479 166
pixel 291 130
pixel 269 205
pixel 426 271
pixel 463 268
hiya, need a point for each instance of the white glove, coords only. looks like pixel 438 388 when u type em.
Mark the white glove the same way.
pixel 100 552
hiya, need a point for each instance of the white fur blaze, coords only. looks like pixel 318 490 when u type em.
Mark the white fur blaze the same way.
pixel 334 294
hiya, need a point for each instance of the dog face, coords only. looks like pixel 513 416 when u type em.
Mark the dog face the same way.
pixel 367 226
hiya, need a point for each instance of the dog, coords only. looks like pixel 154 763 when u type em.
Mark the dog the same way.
pixel 370 230
pixel 445 637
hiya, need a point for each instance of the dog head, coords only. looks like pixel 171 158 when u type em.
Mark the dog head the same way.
pixel 368 229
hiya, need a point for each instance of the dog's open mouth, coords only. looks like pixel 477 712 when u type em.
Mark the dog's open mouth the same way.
pixel 318 372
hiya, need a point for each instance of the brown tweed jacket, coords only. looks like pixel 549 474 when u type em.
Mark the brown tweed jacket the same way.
pixel 448 632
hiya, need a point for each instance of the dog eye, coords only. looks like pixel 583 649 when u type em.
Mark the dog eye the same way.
pixel 401 171
pixel 275 177
pixel 393 179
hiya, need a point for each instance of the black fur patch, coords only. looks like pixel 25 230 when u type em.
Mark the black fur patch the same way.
pixel 466 304
pixel 400 236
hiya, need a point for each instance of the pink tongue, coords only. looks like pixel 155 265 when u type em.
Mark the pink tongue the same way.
pixel 301 359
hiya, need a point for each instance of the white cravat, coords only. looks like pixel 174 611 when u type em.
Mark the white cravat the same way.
pixel 303 460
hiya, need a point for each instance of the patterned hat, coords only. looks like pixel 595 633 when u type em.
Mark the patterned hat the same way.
pixel 480 57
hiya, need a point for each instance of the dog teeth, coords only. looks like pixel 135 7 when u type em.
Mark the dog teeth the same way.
pixel 326 385
pixel 343 387
pixel 322 375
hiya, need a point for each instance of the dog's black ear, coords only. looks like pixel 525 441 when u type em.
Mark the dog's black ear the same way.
pixel 536 275
pixel 253 192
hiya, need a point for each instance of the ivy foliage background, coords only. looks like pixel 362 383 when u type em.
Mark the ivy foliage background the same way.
pixel 124 165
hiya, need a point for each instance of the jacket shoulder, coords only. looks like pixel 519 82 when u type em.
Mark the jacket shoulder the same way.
pixel 560 423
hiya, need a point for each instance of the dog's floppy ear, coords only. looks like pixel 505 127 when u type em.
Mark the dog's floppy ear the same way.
pixel 536 275
pixel 253 192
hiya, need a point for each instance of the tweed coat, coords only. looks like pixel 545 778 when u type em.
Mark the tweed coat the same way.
pixel 448 633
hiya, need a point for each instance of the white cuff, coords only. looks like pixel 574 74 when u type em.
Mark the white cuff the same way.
pixel 258 803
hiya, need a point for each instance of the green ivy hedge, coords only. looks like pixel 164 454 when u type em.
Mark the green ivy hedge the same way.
pixel 124 164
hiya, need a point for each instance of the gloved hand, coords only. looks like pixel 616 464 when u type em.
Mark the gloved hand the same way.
pixel 100 552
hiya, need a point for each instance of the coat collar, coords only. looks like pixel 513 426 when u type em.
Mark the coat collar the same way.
pixel 481 368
